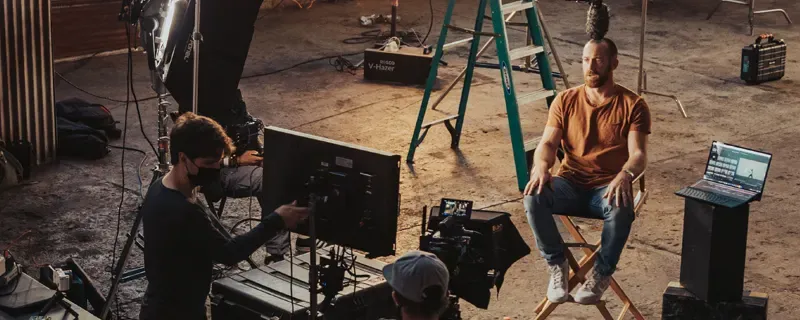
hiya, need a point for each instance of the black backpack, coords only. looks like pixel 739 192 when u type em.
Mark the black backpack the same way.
pixel 76 139
pixel 91 114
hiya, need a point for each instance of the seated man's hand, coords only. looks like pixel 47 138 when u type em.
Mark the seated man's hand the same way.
pixel 292 214
pixel 620 191
pixel 539 178
pixel 250 158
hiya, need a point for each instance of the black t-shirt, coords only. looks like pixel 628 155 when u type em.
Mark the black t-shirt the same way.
pixel 181 246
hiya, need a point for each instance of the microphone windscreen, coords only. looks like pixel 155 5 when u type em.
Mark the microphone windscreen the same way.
pixel 597 20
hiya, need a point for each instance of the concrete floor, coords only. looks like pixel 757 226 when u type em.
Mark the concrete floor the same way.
pixel 70 208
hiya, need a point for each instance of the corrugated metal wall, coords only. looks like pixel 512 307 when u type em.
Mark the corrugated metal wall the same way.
pixel 26 76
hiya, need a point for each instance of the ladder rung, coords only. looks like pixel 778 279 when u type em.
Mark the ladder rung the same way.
pixel 523 52
pixel 517 6
pixel 457 42
pixel 435 122
pixel 470 31
pixel 534 96
pixel 508 23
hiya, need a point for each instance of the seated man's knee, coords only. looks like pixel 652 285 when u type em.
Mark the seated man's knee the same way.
pixel 539 200
pixel 623 215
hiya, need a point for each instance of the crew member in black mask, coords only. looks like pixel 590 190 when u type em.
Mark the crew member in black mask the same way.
pixel 182 243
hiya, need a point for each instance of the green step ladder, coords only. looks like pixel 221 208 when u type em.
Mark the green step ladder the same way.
pixel 505 55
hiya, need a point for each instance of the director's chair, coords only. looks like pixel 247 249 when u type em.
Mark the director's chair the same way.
pixel 579 269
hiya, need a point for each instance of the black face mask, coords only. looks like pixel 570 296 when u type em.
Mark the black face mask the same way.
pixel 204 176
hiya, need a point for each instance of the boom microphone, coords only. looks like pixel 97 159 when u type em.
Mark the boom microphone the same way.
pixel 597 20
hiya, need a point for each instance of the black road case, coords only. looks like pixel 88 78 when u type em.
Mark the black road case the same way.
pixel 763 61
pixel 270 292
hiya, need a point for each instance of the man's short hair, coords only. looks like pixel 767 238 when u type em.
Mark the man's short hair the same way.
pixel 198 137
pixel 612 47
pixel 420 281
pixel 435 305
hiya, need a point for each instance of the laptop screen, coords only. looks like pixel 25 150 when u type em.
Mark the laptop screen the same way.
pixel 737 166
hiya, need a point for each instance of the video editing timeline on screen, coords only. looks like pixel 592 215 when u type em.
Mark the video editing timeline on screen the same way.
pixel 738 167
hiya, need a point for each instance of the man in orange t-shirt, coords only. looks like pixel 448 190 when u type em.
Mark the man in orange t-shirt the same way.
pixel 602 128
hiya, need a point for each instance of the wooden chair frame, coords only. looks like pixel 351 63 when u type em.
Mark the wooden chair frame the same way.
pixel 579 269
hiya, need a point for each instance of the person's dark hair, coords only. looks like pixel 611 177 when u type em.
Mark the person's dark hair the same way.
pixel 198 136
pixel 434 304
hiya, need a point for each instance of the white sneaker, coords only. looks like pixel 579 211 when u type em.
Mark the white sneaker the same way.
pixel 557 289
pixel 592 290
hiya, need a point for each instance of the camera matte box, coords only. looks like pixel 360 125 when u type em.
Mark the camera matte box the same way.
pixel 278 289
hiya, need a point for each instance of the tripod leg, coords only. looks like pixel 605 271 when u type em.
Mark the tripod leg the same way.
pixel 123 260
pixel 715 10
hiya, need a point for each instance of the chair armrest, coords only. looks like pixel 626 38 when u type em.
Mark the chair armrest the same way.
pixel 640 197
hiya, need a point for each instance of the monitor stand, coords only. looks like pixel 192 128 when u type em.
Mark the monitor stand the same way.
pixel 714 250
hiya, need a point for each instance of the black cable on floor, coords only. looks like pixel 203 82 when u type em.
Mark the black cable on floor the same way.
pixel 300 64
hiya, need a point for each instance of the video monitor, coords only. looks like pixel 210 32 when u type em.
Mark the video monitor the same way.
pixel 461 210
pixel 358 188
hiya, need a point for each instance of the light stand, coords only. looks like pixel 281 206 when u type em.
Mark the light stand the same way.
pixel 642 83
pixel 197 37
pixel 752 12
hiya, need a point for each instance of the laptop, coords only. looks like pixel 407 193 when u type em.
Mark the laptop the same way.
pixel 734 176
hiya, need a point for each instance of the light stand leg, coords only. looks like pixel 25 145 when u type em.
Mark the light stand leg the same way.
pixel 196 39
pixel 642 83
pixel 751 11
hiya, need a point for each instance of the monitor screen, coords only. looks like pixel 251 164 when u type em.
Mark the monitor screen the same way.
pixel 358 188
pixel 737 166
pixel 460 210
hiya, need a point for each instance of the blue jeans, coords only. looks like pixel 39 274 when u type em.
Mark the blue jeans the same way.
pixel 565 198
pixel 245 181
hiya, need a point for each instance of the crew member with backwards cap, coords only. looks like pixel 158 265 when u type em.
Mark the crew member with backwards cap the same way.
pixel 419 283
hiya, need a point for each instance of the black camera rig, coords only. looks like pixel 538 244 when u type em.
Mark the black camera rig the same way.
pixel 477 246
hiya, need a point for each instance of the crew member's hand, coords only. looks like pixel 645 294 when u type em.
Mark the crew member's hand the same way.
pixel 292 214
pixel 620 191
pixel 250 158
pixel 541 176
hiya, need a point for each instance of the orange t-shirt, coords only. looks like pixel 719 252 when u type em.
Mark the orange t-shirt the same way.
pixel 595 138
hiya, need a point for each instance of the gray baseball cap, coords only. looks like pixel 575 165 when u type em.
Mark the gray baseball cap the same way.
pixel 415 271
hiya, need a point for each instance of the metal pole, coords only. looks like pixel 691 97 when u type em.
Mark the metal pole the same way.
pixel 552 47
pixel 639 87
pixel 312 270
pixel 197 37
pixel 642 85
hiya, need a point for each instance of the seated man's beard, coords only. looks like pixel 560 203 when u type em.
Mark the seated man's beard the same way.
pixel 596 80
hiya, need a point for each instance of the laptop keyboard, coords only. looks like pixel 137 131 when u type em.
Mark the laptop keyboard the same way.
pixel 710 197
